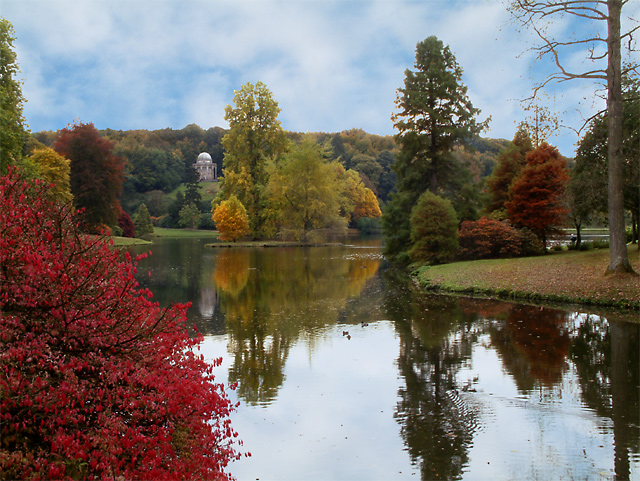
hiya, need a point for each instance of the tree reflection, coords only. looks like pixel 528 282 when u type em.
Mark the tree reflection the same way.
pixel 436 339
pixel 271 298
pixel 606 356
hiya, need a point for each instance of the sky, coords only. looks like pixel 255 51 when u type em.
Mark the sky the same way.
pixel 331 65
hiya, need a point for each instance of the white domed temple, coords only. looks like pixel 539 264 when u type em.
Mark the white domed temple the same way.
pixel 207 169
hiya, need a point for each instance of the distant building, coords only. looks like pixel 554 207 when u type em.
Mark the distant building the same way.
pixel 207 169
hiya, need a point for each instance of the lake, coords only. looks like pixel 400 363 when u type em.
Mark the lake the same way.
pixel 346 372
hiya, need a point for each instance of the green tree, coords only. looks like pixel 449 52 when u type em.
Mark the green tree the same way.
pixel 96 174
pixel 142 222
pixel 13 131
pixel 230 217
pixel 303 190
pixel 434 115
pixel 434 230
pixel 255 136
pixel 190 216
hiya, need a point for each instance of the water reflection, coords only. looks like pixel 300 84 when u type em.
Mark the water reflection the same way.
pixel 443 387
pixel 270 301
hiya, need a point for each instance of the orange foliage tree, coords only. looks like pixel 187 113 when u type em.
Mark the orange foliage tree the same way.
pixel 231 219
pixel 536 195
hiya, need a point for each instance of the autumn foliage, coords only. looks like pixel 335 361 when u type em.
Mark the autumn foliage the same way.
pixel 96 174
pixel 537 194
pixel 488 239
pixel 231 219
pixel 96 380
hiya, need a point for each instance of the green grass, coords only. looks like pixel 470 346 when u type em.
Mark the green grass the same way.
pixel 208 190
pixel 182 233
pixel 565 276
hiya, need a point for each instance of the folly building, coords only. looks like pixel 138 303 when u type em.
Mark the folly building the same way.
pixel 207 169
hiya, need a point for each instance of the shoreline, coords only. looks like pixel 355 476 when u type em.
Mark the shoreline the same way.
pixel 567 277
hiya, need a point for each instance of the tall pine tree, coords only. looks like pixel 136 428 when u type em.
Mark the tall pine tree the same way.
pixel 434 114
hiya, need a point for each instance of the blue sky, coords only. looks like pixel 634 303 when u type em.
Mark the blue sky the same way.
pixel 332 65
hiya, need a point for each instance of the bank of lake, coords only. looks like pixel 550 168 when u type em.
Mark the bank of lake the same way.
pixel 566 276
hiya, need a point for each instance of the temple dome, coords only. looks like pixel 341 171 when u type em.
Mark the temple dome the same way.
pixel 204 157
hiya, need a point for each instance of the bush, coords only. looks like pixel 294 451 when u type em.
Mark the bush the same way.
pixel 488 239
pixel 231 219
pixel 126 225
pixel 530 243
pixel 97 381
pixel 370 225
pixel 117 231
pixel 434 230
pixel 586 246
pixel 142 222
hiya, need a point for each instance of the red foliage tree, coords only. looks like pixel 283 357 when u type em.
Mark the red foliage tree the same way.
pixel 126 224
pixel 536 196
pixel 509 164
pixel 488 238
pixel 96 174
pixel 97 381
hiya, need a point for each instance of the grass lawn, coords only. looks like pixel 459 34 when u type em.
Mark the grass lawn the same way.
pixel 567 276
pixel 182 233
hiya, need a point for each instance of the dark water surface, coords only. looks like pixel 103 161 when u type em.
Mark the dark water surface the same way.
pixel 346 372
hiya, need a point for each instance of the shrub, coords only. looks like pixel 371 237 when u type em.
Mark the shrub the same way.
pixel 126 225
pixel 530 243
pixel 370 225
pixel 231 219
pixel 142 222
pixel 434 230
pixel 97 381
pixel 487 239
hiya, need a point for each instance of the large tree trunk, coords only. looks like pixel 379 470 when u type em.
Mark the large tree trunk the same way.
pixel 618 256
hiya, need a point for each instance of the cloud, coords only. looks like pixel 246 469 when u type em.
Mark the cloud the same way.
pixel 331 64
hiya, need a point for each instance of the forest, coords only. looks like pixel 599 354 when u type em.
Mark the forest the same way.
pixel 158 163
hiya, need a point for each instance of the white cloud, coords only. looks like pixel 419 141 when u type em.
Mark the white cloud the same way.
pixel 331 64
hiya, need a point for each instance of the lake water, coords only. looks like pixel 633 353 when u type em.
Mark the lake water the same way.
pixel 345 372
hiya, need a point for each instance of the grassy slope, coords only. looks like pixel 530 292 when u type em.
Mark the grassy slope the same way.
pixel 208 190
pixel 568 276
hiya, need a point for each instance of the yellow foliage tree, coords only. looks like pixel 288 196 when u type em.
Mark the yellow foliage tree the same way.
pixel 231 219
pixel 54 168
pixel 357 200
pixel 366 204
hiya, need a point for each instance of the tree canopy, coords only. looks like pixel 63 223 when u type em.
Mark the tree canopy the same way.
pixel 96 174
pixel 536 196
pixel 13 131
pixel 304 194
pixel 254 137
pixel 434 114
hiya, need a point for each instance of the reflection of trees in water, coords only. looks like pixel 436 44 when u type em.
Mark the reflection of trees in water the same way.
pixel 436 339
pixel 272 297
pixel 607 359
pixel 535 345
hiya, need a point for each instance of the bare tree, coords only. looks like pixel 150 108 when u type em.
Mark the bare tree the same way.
pixel 537 15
